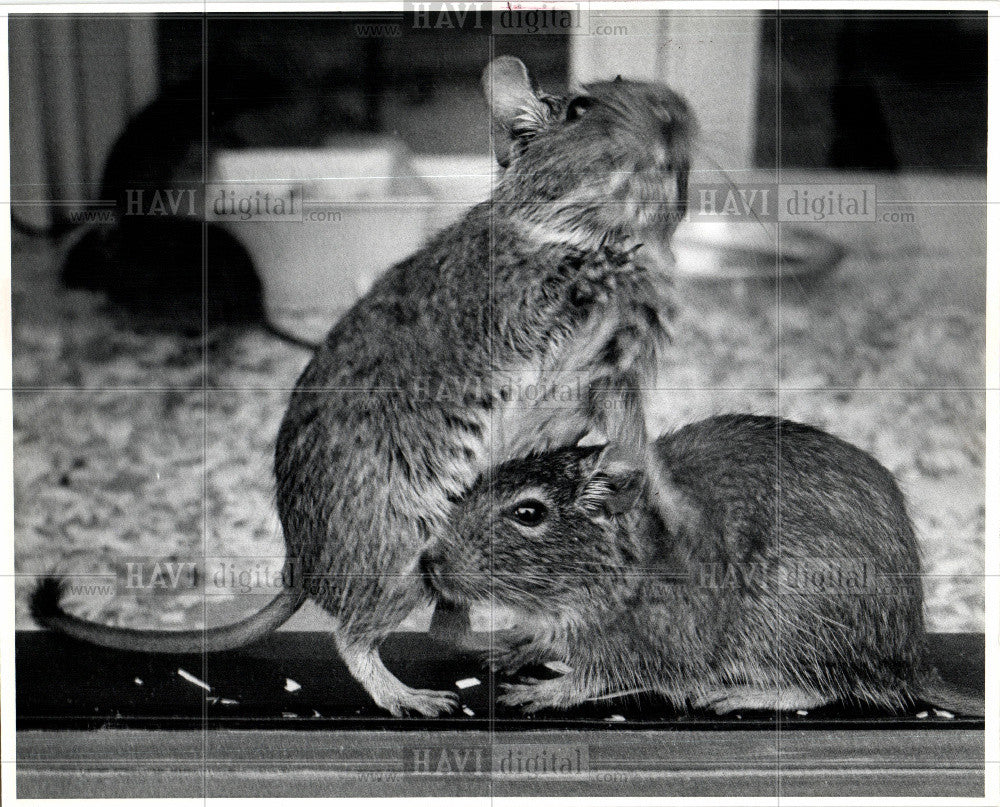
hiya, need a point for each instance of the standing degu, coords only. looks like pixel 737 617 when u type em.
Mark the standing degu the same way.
pixel 537 283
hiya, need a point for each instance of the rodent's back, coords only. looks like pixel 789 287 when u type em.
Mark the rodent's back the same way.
pixel 748 467
pixel 791 561
pixel 815 535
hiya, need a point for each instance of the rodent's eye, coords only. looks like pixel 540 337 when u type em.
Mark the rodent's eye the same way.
pixel 578 107
pixel 529 512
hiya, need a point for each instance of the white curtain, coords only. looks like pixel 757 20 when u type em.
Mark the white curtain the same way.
pixel 74 81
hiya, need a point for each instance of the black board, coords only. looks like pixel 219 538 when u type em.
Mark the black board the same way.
pixel 63 684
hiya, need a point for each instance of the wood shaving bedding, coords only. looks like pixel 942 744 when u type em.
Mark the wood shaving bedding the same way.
pixel 129 444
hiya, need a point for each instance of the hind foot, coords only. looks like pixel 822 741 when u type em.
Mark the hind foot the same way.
pixel 532 695
pixel 771 699
pixel 399 700
pixel 365 664
pixel 426 702
pixel 570 689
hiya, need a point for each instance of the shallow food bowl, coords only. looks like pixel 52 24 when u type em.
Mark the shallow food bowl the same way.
pixel 752 250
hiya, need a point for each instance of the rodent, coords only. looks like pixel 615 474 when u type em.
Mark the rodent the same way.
pixel 787 578
pixel 152 269
pixel 171 268
pixel 419 388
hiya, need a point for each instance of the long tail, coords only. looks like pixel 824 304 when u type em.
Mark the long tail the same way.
pixel 48 611
pixel 287 336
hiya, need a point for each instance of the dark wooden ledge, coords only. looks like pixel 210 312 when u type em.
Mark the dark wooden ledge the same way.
pixel 283 717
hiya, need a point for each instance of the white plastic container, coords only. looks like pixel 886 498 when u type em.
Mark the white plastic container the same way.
pixel 457 182
pixel 321 224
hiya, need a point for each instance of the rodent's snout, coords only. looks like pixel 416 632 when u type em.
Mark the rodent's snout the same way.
pixel 446 574
pixel 649 110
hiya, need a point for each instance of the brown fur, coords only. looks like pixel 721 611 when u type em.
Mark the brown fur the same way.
pixel 711 608
pixel 422 385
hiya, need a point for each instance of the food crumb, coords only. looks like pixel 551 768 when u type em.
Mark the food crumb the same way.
pixel 192 680
pixel 138 681
pixel 615 719
pixel 468 711
pixel 292 686
pixel 559 667
pixel 465 683
pixel 922 715
pixel 944 713
pixel 316 714
pixel 802 712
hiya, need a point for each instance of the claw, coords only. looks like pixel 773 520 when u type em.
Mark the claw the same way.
pixel 425 702
pixel 530 697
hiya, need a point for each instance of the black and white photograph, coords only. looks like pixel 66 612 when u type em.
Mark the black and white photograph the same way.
pixel 498 400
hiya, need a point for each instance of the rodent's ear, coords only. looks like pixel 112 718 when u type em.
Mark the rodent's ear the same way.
pixel 515 108
pixel 613 481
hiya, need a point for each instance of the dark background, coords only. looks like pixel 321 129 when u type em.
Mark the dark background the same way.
pixel 866 90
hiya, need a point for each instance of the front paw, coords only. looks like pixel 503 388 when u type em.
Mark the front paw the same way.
pixel 586 292
pixel 606 276
pixel 595 282
pixel 508 658
pixel 533 695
